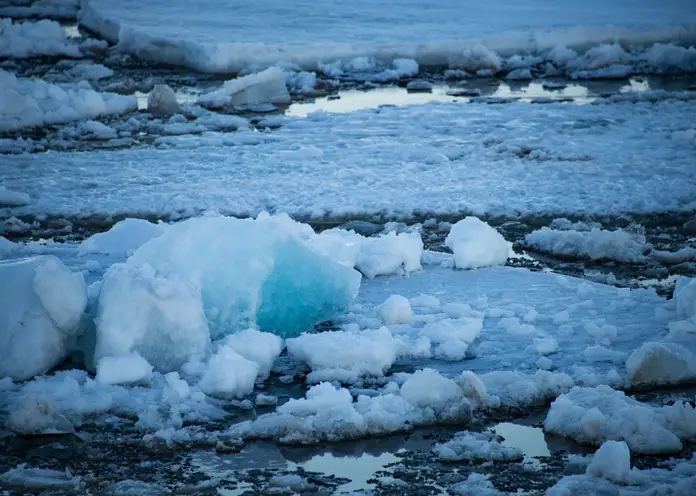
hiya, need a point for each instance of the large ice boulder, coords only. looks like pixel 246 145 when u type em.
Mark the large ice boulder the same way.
pixel 476 244
pixel 660 364
pixel 41 306
pixel 255 89
pixel 206 278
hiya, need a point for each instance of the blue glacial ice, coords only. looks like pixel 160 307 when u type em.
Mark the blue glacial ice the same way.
pixel 207 278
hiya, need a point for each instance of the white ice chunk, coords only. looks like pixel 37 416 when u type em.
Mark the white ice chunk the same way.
pixel 161 102
pixel 661 364
pixel 41 305
pixel 9 198
pixel 30 39
pixel 260 347
pixel 594 415
pixel 255 89
pixel 476 244
pixel 476 484
pixel 476 446
pixel 612 461
pixel 390 254
pixel 685 298
pixel 229 374
pixel 596 244
pixel 40 479
pixel 343 355
pixel 451 338
pixel 124 369
pixel 34 103
pixel 123 238
pixel 428 389
pixel 396 310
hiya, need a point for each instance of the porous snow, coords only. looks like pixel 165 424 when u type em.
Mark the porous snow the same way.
pixel 231 37
pixel 30 39
pixel 34 103
pixel 352 165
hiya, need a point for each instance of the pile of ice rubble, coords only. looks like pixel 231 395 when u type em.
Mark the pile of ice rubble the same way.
pixel 193 315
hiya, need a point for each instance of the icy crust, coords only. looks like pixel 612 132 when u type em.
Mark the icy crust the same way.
pixel 40 479
pixel 352 165
pixel 30 39
pixel 212 38
pixel 33 103
pixel 9 198
pixel 595 415
pixel 41 307
pixel 610 472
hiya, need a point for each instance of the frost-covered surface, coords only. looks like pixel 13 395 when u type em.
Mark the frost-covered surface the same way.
pixel 30 39
pixel 41 306
pixel 595 244
pixel 594 415
pixel 34 103
pixel 614 463
pixel 476 244
pixel 353 164
pixel 229 37
pixel 476 446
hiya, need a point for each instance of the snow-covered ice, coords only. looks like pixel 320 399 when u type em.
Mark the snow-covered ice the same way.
pixel 9 198
pixel 596 244
pixel 612 461
pixel 35 103
pixel 390 161
pixel 30 39
pixel 123 238
pixel 476 446
pixel 594 415
pixel 661 364
pixel 41 306
pixel 476 244
pixel 231 37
